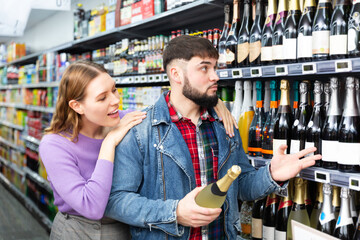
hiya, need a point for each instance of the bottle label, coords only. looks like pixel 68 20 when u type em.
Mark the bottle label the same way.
pixel 353 36
pixel 255 49
pixel 329 150
pixel 321 42
pixel 256 228
pixel 268 233
pixel 280 235
pixel 344 221
pixel 277 143
pixel 246 228
pixel 294 146
pixel 270 201
pixel 270 19
pixel 289 48
pixel 309 145
pixel 285 204
pixel 326 217
pixel 350 153
pixel 277 52
pixel 266 53
pixel 280 16
pixel 338 44
pixel 242 51
pixel 304 46
pixel 222 58
pixel 230 56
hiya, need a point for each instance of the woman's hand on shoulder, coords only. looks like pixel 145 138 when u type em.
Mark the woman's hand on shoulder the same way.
pixel 226 117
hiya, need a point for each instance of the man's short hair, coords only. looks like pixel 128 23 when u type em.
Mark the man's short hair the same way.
pixel 186 47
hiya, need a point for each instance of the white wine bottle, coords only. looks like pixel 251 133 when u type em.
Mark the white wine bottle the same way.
pixel 214 194
pixel 236 111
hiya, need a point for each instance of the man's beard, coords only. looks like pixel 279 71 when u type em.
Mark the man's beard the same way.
pixel 201 99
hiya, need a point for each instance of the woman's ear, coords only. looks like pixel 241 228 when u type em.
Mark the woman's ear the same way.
pixel 76 106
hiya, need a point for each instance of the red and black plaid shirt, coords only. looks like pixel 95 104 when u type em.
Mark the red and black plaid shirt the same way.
pixel 203 147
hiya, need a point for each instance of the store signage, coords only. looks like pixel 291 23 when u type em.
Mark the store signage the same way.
pixel 256 72
pixel 236 73
pixel 281 70
pixel 309 68
pixel 321 176
pixel 223 74
pixel 343 66
pixel 354 183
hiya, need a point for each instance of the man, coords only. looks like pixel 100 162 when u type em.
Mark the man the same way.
pixel 180 146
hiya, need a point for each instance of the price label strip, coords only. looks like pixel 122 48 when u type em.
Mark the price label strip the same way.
pixel 281 70
pixel 309 68
pixel 143 79
pixel 151 78
pixel 323 177
pixel 256 72
pixel 223 74
pixel 343 66
pixel 137 79
pixel 165 78
pixel 158 78
pixel 354 183
pixel 237 73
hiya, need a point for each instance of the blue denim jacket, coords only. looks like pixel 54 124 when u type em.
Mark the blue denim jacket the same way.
pixel 153 171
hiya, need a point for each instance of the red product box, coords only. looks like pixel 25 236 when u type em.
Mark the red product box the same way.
pixel 136 12
pixel 147 8
pixel 125 15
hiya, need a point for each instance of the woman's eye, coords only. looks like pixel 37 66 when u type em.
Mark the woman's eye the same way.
pixel 114 90
pixel 102 99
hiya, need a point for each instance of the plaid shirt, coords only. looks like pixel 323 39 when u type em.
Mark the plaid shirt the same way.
pixel 203 147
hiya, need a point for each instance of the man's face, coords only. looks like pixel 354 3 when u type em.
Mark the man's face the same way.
pixel 200 81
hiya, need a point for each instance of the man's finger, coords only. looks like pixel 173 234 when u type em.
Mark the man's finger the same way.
pixel 281 150
pixel 312 158
pixel 305 151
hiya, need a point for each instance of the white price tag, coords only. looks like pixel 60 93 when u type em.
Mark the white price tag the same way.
pixel 151 78
pixel 281 70
pixel 137 79
pixel 131 79
pixel 309 68
pixel 165 78
pixel 323 177
pixel 158 78
pixel 343 66
pixel 256 72
pixel 117 80
pixel 354 183
pixel 143 78
pixel 223 74
pixel 237 73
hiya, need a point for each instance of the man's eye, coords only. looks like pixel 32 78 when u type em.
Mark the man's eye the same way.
pixel 204 69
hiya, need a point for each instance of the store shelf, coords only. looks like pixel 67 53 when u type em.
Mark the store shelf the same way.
pixel 30 206
pixel 140 79
pixel 32 139
pixel 28 107
pixel 11 125
pixel 41 85
pixel 13 166
pixel 10 86
pixel 38 179
pixel 334 177
pixel 12 145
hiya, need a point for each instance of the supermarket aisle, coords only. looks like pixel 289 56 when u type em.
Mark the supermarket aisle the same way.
pixel 16 222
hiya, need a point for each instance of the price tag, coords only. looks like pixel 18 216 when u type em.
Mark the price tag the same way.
pixel 165 78
pixel 256 72
pixel 143 79
pixel 117 80
pixel 308 68
pixel 158 78
pixel 354 183
pixel 323 177
pixel 151 78
pixel 237 73
pixel 137 79
pixel 223 74
pixel 343 66
pixel 131 79
pixel 281 70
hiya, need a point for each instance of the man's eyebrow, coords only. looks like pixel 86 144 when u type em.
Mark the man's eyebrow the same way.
pixel 205 62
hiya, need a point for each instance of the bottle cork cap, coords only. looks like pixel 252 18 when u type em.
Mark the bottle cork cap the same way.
pixel 234 171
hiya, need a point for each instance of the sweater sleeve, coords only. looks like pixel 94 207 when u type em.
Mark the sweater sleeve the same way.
pixel 87 197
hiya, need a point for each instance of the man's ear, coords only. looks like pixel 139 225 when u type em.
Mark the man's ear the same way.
pixel 76 106
pixel 175 74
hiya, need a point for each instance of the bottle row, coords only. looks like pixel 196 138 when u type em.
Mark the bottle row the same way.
pixel 288 33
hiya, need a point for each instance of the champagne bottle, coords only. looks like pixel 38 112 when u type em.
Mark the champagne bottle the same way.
pixel 245 220
pixel 284 119
pixel 307 199
pixel 267 98
pixel 257 123
pixel 298 130
pixel 278 32
pixel 353 30
pixel 243 48
pixel 329 133
pixel 255 34
pixel 247 114
pixel 349 131
pixel 214 194
pixel 321 30
pixel 298 211
pixel 231 40
pixel 268 129
pixel 290 32
pixel 266 39
pixel 272 202
pixel 327 93
pixel 313 129
pixel 222 40
pixel 327 218
pixel 353 211
pixel 344 228
pixel 282 216
pixel 238 100
pixel 304 42
pixel 315 213
pixel 256 220
pixel 296 111
pixel 339 29
pixel 336 201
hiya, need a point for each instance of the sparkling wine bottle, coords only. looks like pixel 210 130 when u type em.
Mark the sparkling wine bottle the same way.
pixel 315 213
pixel 267 31
pixel 255 34
pixel 283 216
pixel 278 32
pixel 272 202
pixel 247 114
pixel 344 228
pixel 327 217
pixel 243 47
pixel 304 42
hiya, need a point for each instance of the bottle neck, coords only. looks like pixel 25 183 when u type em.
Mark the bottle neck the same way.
pixel 334 107
pixel 227 15
pixel 327 203
pixel 342 2
pixel 309 3
pixel 320 196
pixel 259 8
pixel 282 6
pixel 236 12
pixel 247 94
pixel 299 194
pixel 336 197
pixel 272 9
pixel 294 5
pixel 351 108
pixel 225 182
pixel 285 98
pixel 317 99
pixel 324 1
pixel 345 208
pixel 304 98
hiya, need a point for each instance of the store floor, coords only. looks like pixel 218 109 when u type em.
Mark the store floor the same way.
pixel 16 223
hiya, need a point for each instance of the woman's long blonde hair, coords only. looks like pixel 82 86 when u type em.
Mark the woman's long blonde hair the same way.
pixel 72 86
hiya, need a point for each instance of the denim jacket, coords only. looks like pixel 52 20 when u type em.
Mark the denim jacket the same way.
pixel 153 171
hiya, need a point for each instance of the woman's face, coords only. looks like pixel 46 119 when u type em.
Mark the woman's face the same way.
pixel 100 105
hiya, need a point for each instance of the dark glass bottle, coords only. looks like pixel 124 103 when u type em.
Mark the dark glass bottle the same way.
pixel 231 40
pixel 321 31
pixel 284 119
pixel 222 40
pixel 344 228
pixel 353 30
pixel 336 201
pixel 329 133
pixel 304 42
pixel 268 129
pixel 272 203
pixel 315 213
pixel 327 93
pixel 278 32
pixel 290 32
pixel 327 217
pixel 255 34
pixel 339 29
pixel 243 47
pixel 266 35
pixel 349 131
pixel 257 219
pixel 216 38
pixel 357 230
pixel 257 123
pixel 307 199
pixel 282 216
pixel 296 111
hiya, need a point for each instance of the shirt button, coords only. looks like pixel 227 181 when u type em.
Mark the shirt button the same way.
pixel 155 120
pixel 155 145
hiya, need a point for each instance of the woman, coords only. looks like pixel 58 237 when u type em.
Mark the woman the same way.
pixel 78 152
